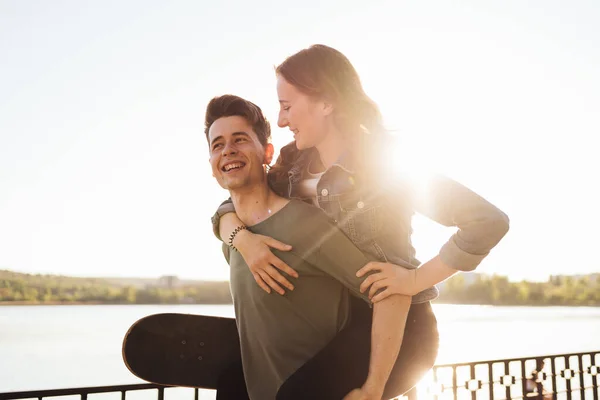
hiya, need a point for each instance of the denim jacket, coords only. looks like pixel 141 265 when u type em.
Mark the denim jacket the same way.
pixel 376 214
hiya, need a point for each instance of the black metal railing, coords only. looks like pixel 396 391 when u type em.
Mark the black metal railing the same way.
pixel 561 376
pixel 156 391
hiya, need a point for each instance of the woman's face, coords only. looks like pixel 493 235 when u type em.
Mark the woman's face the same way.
pixel 305 116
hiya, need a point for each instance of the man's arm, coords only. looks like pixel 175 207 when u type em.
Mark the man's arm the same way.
pixel 387 332
pixel 341 259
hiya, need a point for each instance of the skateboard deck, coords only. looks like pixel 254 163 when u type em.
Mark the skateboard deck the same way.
pixel 181 349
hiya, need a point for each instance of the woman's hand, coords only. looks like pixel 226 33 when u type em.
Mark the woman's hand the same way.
pixel 256 251
pixel 392 278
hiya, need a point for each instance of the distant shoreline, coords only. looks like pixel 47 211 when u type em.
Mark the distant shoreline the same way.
pixel 97 303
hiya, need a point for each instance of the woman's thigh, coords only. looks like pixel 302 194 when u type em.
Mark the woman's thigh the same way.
pixel 231 384
pixel 336 369
pixel 344 363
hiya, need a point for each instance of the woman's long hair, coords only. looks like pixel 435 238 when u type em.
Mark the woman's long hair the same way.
pixel 323 72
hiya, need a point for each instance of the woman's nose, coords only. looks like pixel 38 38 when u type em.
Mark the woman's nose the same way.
pixel 282 122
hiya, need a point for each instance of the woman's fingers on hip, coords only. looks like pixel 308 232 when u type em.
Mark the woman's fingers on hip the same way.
pixel 274 274
pixel 371 279
pixel 277 263
pixel 271 282
pixel 372 266
pixel 261 282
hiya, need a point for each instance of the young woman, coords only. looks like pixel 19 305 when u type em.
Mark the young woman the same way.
pixel 338 161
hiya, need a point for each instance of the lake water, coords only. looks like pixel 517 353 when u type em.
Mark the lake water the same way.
pixel 48 347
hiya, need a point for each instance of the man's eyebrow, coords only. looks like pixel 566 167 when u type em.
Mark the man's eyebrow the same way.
pixel 215 139
pixel 238 133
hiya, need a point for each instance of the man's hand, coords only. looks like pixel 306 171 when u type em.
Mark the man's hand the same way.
pixel 390 277
pixel 361 394
pixel 256 251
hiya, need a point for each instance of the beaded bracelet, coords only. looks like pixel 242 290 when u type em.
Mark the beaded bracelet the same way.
pixel 235 232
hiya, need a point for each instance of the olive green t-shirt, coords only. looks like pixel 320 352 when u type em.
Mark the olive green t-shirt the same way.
pixel 278 334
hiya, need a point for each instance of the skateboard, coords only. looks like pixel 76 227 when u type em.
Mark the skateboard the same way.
pixel 181 349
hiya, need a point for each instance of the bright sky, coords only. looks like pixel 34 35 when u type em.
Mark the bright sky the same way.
pixel 103 163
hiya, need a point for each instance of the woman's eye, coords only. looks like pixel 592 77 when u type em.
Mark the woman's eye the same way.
pixel 286 108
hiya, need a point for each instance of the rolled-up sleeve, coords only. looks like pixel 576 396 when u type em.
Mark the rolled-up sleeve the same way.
pixel 481 225
pixel 224 208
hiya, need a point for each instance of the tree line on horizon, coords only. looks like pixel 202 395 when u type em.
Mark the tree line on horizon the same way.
pixel 478 289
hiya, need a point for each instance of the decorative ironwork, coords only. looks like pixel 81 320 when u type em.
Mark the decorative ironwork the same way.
pixel 473 385
pixel 567 373
pixel 508 380
pixel 561 376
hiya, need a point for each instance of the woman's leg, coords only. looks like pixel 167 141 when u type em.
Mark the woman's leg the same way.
pixel 339 367
pixel 231 384
pixel 343 364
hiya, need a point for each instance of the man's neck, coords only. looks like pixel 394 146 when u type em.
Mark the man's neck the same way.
pixel 256 203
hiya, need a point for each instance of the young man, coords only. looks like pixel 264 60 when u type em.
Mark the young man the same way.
pixel 278 334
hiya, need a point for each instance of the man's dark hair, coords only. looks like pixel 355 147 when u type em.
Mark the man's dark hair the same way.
pixel 229 105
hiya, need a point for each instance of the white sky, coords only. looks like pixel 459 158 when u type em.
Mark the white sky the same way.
pixel 103 163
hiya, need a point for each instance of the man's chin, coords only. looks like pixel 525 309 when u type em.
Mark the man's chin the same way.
pixel 233 184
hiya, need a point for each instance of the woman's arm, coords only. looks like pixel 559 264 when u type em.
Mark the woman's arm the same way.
pixel 256 251
pixel 480 225
pixel 387 279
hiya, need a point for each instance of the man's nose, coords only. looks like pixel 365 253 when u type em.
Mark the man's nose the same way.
pixel 229 149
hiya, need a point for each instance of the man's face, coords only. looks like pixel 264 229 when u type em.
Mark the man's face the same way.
pixel 236 155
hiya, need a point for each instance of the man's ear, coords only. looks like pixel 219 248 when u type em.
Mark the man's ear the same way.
pixel 269 151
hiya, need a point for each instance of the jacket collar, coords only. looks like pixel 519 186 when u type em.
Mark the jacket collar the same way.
pixel 346 161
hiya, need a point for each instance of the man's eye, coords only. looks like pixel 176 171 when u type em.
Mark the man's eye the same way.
pixel 216 146
pixel 238 140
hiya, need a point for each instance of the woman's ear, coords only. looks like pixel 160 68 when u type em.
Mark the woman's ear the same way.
pixel 269 151
pixel 327 107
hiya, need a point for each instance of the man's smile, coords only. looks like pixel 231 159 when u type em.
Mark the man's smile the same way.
pixel 233 166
